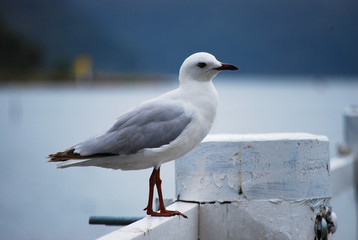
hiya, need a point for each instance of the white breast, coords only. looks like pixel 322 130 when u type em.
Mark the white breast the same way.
pixel 200 101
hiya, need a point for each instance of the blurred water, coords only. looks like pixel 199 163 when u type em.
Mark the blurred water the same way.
pixel 38 201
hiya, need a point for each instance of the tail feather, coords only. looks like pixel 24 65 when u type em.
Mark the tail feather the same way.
pixel 70 154
pixel 64 156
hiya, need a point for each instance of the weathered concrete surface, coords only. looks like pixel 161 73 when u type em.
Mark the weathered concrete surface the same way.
pixel 257 219
pixel 153 228
pixel 256 186
pixel 285 166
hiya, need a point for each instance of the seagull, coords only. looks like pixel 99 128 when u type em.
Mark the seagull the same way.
pixel 157 131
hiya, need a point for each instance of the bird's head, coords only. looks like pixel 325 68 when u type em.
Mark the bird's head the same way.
pixel 202 67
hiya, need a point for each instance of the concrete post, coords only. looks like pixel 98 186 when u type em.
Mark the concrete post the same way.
pixel 262 186
pixel 351 140
pixel 351 128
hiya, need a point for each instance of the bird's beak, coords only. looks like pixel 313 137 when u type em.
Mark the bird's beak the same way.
pixel 225 66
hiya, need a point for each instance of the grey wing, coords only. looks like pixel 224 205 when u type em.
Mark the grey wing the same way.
pixel 148 126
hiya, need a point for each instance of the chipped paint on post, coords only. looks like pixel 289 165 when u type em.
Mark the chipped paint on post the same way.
pixel 259 186
pixel 235 167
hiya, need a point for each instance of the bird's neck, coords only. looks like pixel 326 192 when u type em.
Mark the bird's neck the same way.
pixel 202 95
pixel 198 87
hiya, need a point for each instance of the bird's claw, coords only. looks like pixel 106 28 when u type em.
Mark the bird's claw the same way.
pixel 165 213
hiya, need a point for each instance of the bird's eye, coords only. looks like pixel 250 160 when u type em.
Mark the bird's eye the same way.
pixel 201 64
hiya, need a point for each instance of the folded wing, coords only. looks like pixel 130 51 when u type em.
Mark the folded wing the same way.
pixel 150 125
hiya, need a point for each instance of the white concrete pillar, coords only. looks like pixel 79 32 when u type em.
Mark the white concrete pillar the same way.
pixel 262 186
pixel 351 140
pixel 351 128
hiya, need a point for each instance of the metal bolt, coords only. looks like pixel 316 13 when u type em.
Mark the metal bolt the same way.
pixel 320 227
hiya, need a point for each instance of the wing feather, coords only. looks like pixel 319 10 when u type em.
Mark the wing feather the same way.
pixel 149 125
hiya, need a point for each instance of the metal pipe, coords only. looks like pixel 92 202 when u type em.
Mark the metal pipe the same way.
pixel 113 221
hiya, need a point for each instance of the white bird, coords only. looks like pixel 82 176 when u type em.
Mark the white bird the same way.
pixel 156 131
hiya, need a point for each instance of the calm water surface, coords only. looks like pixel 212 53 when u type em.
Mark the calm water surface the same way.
pixel 38 201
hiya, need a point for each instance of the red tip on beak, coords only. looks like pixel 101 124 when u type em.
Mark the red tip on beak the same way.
pixel 225 66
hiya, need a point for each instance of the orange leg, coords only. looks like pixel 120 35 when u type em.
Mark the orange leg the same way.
pixel 155 180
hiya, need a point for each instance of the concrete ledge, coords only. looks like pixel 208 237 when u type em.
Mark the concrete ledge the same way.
pixel 150 228
pixel 230 167
pixel 342 174
pixel 263 137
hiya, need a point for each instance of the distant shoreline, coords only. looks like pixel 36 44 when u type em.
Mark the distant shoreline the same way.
pixel 148 79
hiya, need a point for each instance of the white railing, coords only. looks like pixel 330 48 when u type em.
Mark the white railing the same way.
pixel 256 186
